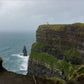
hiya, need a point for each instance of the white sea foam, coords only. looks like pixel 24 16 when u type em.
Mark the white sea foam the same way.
pixel 18 55
pixel 23 62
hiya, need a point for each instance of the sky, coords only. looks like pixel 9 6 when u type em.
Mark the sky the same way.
pixel 27 15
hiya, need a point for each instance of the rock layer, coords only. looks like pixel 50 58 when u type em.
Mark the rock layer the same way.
pixel 64 42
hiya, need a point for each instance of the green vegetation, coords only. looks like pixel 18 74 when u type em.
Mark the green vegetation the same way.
pixel 59 47
pixel 73 56
pixel 76 28
pixel 56 81
pixel 66 38
pixel 64 67
pixel 52 27
pixel 80 70
pixel 78 74
pixel 44 57
pixel 79 24
pixel 38 45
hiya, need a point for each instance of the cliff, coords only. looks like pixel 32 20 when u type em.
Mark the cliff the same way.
pixel 58 51
pixel 7 77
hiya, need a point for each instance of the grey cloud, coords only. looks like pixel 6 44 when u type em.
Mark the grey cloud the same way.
pixel 29 14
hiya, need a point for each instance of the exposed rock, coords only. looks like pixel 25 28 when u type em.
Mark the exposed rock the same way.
pixel 63 42
pixel 59 39
pixel 1 67
pixel 78 74
pixel 39 68
pixel 24 51
pixel 7 77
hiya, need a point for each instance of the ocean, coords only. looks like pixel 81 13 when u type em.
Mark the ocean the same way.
pixel 11 46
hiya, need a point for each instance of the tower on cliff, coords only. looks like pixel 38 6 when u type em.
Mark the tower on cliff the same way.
pixel 47 23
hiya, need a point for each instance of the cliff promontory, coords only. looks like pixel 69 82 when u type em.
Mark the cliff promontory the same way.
pixel 58 50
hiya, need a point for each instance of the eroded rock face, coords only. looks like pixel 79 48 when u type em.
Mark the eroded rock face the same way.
pixel 24 51
pixel 40 69
pixel 2 69
pixel 60 38
pixel 64 42
pixel 7 77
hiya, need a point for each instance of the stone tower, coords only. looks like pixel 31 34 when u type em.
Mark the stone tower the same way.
pixel 46 23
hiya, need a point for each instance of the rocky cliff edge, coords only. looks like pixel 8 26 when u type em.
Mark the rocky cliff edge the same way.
pixel 58 50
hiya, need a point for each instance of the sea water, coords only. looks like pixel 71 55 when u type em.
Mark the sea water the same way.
pixel 11 46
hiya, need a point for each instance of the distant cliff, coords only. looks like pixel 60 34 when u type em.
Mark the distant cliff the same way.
pixel 58 51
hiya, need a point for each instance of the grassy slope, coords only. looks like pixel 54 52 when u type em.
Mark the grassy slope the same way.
pixel 59 64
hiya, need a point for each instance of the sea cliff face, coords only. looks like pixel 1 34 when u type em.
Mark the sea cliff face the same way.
pixel 7 77
pixel 58 51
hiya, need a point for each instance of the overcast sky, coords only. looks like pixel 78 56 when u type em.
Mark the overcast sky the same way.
pixel 26 15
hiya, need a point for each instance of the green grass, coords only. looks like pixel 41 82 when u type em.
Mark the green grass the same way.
pixel 61 27
pixel 53 27
pixel 62 65
pixel 38 45
pixel 44 57
pixel 78 74
pixel 72 53
pixel 80 24
pixel 69 50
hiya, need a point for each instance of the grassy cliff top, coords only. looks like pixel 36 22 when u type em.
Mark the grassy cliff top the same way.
pixel 52 25
pixel 60 27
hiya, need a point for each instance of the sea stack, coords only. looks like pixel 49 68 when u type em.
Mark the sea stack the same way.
pixel 24 51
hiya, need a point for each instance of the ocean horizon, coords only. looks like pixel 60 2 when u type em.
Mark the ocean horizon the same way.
pixel 11 46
